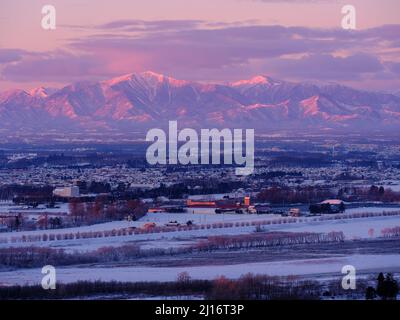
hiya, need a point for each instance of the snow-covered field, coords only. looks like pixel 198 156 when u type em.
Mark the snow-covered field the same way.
pixel 324 266
pixel 200 216
pixel 361 228
pixel 317 267
pixel 62 208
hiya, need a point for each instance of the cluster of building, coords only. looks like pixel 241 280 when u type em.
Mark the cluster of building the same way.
pixel 332 177
pixel 136 178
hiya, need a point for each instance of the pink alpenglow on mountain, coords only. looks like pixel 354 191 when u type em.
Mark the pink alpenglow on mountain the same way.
pixel 148 99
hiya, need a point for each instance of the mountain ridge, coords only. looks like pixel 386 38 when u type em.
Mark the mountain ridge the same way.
pixel 144 100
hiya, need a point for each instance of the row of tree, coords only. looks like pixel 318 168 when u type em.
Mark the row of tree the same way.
pixel 103 209
pixel 391 232
pixel 27 257
pixel 266 239
pixel 280 195
pixel 310 194
pixel 263 287
pixel 248 287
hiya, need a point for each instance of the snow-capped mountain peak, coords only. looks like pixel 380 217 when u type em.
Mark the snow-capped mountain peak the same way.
pixel 40 92
pixel 147 99
pixel 256 80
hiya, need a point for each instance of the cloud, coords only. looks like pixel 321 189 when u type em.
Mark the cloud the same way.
pixel 55 66
pixel 10 55
pixel 199 50
pixel 328 67
pixel 214 48
pixel 154 25
pixel 390 32
pixel 394 67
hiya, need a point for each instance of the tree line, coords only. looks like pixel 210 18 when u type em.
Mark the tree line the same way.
pixel 31 257
pixel 310 194
pixel 249 287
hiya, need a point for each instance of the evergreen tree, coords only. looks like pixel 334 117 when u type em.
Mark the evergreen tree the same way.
pixel 380 290
pixel 387 287
pixel 391 287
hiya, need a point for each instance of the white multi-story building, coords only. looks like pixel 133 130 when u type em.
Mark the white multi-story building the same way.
pixel 67 192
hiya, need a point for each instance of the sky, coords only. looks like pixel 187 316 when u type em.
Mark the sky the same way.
pixel 201 40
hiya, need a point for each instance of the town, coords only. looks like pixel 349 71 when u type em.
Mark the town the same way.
pixel 103 205
pixel 51 185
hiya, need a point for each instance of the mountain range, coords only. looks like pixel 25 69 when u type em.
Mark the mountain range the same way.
pixel 146 100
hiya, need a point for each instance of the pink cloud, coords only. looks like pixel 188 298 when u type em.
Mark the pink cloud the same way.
pixel 191 50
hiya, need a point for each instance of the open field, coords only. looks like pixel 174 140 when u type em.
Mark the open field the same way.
pixel 363 248
pixel 310 268
pixel 360 228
